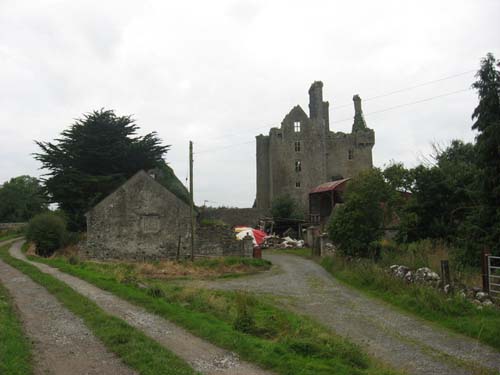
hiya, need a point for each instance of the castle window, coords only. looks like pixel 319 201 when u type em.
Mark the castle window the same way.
pixel 350 155
pixel 297 146
pixel 298 166
pixel 296 126
pixel 297 184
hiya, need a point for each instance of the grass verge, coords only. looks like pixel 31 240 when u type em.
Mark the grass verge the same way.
pixel 132 346
pixel 255 329
pixel 15 348
pixel 453 312
pixel 304 252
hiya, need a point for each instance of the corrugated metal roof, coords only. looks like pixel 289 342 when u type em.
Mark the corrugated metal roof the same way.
pixel 328 186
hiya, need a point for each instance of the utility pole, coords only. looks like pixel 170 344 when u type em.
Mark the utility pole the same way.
pixel 191 197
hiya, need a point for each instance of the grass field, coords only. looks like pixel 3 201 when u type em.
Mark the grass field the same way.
pixel 15 348
pixel 452 312
pixel 246 324
pixel 132 346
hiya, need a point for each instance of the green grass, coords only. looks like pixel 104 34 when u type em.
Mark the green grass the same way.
pixel 233 261
pixel 248 325
pixel 452 312
pixel 304 252
pixel 15 348
pixel 9 236
pixel 132 346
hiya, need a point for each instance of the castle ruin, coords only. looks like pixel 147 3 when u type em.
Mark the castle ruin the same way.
pixel 304 153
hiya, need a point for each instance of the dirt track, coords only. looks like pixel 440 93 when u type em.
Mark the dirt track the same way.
pixel 62 344
pixel 201 355
pixel 403 341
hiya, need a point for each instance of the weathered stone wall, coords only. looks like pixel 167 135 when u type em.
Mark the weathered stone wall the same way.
pixel 233 216
pixel 217 240
pixel 324 155
pixel 143 220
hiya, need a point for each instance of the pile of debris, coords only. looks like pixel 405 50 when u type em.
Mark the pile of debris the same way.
pixel 426 276
pixel 274 241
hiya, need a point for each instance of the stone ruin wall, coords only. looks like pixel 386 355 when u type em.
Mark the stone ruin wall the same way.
pixel 144 221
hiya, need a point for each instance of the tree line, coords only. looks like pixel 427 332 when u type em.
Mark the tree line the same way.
pixel 454 196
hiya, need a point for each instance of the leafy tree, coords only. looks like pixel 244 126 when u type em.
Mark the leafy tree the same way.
pixel 486 118
pixel 92 158
pixel 20 199
pixel 398 177
pixel 285 207
pixel 357 223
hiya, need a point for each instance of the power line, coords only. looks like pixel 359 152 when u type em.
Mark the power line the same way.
pixel 407 88
pixel 406 104
pixel 364 100
pixel 350 118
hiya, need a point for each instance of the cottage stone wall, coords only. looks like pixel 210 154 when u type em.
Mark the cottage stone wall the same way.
pixel 143 220
pixel 324 155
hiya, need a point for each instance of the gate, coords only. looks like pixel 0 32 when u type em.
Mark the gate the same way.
pixel 494 277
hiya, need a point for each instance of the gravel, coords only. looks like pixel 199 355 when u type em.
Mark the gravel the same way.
pixel 400 340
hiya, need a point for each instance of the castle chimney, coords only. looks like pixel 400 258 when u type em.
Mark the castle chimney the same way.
pixel 316 101
pixel 359 120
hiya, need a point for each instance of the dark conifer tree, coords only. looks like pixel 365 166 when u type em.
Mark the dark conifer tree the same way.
pixel 486 118
pixel 92 158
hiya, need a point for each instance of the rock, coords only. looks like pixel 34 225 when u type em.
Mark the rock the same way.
pixel 447 288
pixel 433 276
pixel 401 271
pixel 394 267
pixel 481 296
pixel 426 275
pixel 476 302
pixel 476 289
pixel 409 277
pixel 487 302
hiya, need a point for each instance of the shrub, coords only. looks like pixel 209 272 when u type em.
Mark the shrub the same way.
pixel 47 231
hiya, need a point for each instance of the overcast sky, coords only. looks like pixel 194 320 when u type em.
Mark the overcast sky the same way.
pixel 221 72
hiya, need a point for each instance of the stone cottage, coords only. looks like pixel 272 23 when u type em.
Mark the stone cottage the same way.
pixel 304 153
pixel 144 220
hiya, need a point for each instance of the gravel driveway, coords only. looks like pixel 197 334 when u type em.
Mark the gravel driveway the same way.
pixel 404 342
pixel 62 344
pixel 200 354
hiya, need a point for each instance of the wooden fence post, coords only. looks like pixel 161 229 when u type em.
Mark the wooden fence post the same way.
pixel 445 272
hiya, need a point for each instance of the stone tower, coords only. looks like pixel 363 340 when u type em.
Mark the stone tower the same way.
pixel 303 153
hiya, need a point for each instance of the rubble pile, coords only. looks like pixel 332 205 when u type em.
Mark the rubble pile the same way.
pixel 428 277
pixel 274 241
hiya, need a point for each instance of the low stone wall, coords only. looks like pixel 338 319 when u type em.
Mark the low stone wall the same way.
pixel 233 216
pixel 210 241
pixel 217 240
pixel 12 226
